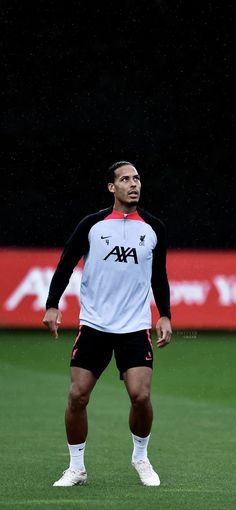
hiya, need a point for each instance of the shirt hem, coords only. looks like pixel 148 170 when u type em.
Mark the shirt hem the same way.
pixel 121 331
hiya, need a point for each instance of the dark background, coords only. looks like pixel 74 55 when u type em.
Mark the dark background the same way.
pixel 85 84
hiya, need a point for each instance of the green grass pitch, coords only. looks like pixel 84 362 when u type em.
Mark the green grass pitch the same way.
pixel 193 438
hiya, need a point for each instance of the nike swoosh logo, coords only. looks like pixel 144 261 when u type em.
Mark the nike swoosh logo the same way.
pixel 105 237
pixel 148 359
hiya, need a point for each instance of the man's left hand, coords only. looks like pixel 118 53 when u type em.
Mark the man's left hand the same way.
pixel 164 332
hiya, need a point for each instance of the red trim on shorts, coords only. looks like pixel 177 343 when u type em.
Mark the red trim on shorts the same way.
pixel 149 337
pixel 74 353
pixel 77 338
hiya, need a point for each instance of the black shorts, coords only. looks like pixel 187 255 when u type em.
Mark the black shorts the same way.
pixel 93 350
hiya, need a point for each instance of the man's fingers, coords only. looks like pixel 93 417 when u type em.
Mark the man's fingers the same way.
pixel 164 339
pixel 162 343
pixel 52 321
pixel 159 333
pixel 164 331
pixel 52 326
pixel 167 336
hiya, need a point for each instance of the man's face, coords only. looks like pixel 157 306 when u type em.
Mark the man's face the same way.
pixel 126 186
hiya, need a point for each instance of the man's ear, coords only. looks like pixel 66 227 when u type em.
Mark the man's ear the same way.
pixel 111 187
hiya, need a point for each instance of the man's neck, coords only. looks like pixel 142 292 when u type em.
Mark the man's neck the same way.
pixel 125 209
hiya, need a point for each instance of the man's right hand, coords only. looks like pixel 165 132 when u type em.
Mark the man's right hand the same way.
pixel 52 320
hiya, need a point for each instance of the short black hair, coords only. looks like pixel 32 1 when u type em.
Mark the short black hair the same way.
pixel 110 176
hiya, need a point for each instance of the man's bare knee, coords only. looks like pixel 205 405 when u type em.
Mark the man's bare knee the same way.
pixel 78 398
pixel 140 399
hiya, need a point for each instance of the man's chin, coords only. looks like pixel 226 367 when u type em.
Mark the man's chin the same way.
pixel 133 201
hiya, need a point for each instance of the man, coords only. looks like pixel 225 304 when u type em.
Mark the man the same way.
pixel 124 254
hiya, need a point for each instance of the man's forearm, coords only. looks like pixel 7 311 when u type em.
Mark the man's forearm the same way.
pixel 161 292
pixel 58 285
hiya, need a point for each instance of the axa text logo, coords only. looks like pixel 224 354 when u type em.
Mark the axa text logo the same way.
pixel 122 254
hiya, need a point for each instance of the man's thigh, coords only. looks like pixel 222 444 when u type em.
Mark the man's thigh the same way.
pixel 138 381
pixel 82 381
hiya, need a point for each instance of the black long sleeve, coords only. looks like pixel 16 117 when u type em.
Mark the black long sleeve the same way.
pixel 159 281
pixel 75 248
pixel 160 284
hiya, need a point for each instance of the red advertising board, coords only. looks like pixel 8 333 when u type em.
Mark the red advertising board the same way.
pixel 203 288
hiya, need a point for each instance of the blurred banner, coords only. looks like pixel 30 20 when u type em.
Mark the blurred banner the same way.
pixel 203 288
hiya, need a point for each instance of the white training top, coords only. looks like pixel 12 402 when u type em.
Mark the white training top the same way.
pixel 124 254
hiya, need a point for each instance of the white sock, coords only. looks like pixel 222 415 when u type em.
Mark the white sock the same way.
pixel 140 448
pixel 77 456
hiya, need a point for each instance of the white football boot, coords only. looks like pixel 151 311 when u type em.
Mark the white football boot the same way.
pixel 146 473
pixel 71 477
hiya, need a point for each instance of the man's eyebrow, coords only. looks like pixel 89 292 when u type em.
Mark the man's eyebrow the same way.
pixel 128 176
